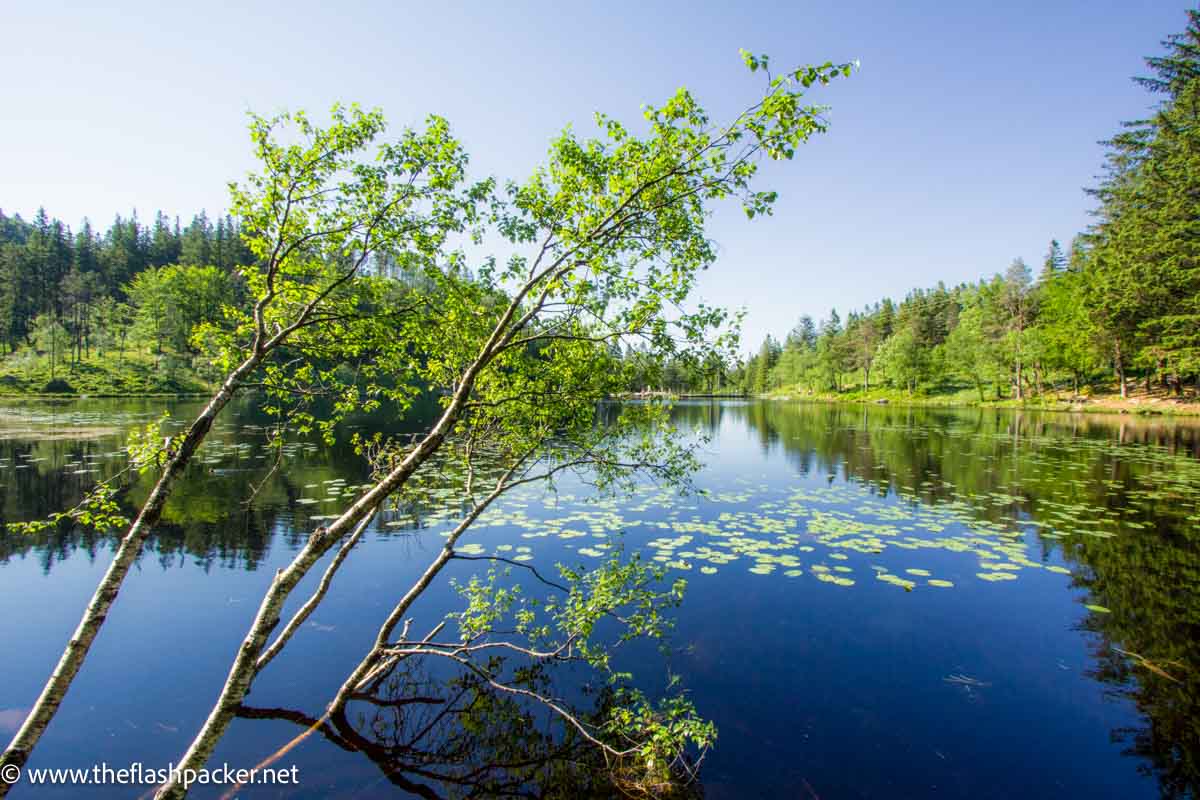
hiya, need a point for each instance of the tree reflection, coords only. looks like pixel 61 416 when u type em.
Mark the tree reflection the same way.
pixel 1147 578
pixel 455 737
pixel 1148 575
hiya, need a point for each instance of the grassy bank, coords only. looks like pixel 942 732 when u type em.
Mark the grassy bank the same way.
pixel 129 375
pixel 1103 402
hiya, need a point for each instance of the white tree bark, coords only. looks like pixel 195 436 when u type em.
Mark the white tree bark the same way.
pixel 80 643
pixel 245 665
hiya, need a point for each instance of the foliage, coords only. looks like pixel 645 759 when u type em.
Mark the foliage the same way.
pixel 1125 299
pixel 664 739
pixel 99 510
pixel 365 256
pixel 69 300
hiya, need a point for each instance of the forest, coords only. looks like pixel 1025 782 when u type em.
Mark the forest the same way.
pixel 115 310
pixel 1116 311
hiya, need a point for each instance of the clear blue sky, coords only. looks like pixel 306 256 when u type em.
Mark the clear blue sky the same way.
pixel 964 140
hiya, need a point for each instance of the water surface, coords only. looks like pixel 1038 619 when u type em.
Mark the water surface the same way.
pixel 883 602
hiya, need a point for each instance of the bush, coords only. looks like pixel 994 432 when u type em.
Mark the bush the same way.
pixel 58 386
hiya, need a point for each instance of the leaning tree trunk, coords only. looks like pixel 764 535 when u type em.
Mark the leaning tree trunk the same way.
pixel 244 668
pixel 77 648
pixel 246 663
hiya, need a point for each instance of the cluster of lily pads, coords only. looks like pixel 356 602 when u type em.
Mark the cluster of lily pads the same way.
pixel 838 533
pixel 1042 491
pixel 820 532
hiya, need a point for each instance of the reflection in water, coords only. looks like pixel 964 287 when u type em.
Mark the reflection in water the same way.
pixel 1146 579
pixel 456 737
pixel 209 518
pixel 1114 500
pixel 1148 647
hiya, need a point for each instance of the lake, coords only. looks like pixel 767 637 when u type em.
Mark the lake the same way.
pixel 882 602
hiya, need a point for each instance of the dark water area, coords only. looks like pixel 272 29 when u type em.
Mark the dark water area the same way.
pixel 882 602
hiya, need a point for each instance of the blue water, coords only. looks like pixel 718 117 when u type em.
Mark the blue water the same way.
pixel 989 688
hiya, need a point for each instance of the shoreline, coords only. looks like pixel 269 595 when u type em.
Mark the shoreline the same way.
pixel 103 395
pixel 1112 406
pixel 1115 407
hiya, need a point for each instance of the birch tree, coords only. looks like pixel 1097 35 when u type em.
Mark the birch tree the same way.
pixel 602 244
pixel 313 218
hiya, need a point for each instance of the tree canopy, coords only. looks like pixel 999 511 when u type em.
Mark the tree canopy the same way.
pixel 364 287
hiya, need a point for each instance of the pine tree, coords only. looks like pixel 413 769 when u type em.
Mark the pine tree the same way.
pixel 804 335
pixel 164 242
pixel 887 317
pixel 1054 263
pixel 197 246
pixel 1145 287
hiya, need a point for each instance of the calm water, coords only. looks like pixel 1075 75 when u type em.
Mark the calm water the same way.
pixel 882 602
